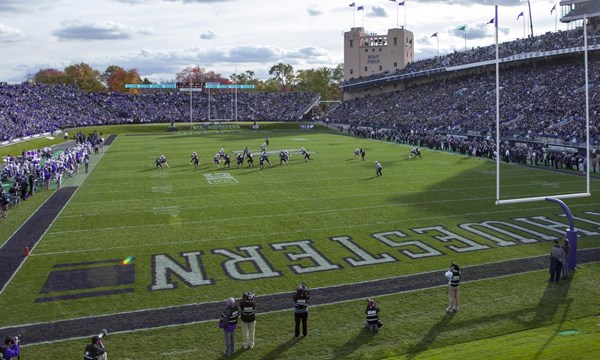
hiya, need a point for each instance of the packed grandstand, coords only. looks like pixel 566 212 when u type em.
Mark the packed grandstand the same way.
pixel 542 99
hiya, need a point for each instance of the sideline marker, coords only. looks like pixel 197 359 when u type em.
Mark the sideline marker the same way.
pixel 26 250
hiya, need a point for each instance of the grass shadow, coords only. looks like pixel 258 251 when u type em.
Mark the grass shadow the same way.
pixel 278 351
pixel 431 335
pixel 350 346
pixel 554 296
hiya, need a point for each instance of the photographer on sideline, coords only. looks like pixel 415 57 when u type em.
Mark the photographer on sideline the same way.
pixel 10 348
pixel 95 350
pixel 453 275
pixel 373 323
pixel 301 298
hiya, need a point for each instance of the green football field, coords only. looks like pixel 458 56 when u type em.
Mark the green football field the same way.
pixel 201 235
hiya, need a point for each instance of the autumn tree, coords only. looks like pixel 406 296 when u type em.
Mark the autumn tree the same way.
pixel 284 75
pixel 115 78
pixel 83 76
pixel 50 77
pixel 199 74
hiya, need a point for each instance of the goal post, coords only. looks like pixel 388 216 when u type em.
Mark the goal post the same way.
pixel 584 193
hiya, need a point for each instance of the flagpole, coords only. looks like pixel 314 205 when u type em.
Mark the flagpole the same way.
pixel 556 20
pixel 354 16
pixel 587 101
pixel 404 15
pixel 438 41
pixel 397 22
pixel 524 36
pixel 363 19
pixel 497 109
pixel 530 17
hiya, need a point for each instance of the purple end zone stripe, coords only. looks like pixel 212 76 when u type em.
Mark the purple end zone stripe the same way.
pixel 12 254
pixel 110 139
pixel 90 278
pixel 112 261
pixel 84 295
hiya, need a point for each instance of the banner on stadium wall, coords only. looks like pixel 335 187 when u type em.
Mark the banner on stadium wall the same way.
pixel 306 126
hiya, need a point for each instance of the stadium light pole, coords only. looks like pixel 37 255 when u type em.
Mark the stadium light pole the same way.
pixel 530 17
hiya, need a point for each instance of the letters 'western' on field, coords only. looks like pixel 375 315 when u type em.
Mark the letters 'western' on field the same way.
pixel 188 267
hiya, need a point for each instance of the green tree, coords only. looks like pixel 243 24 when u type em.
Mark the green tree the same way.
pixel 324 81
pixel 85 77
pixel 283 74
pixel 50 77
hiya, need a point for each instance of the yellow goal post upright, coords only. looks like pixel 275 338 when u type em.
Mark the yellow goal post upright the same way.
pixel 571 232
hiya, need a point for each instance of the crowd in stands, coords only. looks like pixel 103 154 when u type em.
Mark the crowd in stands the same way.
pixel 545 100
pixel 28 109
pixel 37 169
pixel 546 42
pixel 542 102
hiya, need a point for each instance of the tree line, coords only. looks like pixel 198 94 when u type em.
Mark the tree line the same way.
pixel 324 81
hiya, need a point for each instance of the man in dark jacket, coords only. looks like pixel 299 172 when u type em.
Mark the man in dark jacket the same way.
pixel 301 298
pixel 95 350
pixel 248 310
pixel 556 255
pixel 372 312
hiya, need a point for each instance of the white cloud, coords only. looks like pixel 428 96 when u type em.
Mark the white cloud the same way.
pixel 107 30
pixel 314 12
pixel 377 11
pixel 208 35
pixel 10 34
pixel 474 2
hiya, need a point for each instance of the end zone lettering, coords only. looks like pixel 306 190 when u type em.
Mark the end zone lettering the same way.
pixel 304 257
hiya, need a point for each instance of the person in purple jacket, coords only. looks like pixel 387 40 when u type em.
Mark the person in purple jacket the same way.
pixel 10 348
pixel 228 322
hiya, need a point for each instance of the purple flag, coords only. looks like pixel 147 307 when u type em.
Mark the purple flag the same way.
pixel 553 8
pixel 352 5
pixel 520 14
pixel 401 3
pixel 434 35
pixel 360 8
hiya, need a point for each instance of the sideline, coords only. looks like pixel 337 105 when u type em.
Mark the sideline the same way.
pixel 12 254
pixel 138 320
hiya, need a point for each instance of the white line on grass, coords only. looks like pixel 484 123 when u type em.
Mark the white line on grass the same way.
pixel 279 293
pixel 280 233
pixel 45 231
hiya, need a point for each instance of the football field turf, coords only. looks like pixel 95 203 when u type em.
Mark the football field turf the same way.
pixel 197 236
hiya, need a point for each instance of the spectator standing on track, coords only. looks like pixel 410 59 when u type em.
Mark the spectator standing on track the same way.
pixel 565 269
pixel 453 275
pixel 228 322
pixel 248 310
pixel 556 254
pixel 301 298
pixel 3 202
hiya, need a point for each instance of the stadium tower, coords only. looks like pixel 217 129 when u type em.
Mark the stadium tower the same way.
pixel 572 12
pixel 371 54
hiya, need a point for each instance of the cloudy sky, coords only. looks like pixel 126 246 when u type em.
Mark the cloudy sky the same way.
pixel 161 37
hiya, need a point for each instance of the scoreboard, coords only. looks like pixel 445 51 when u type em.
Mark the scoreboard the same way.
pixel 193 84
pixel 189 86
